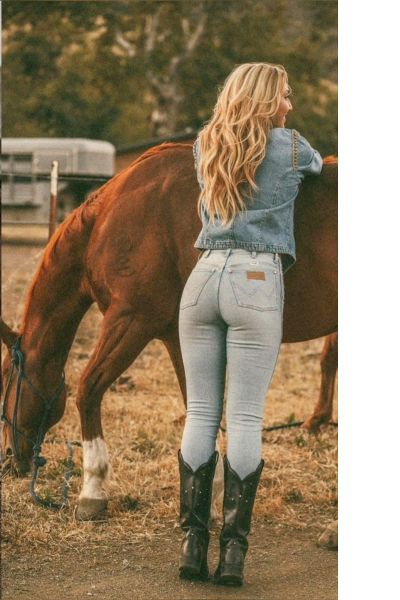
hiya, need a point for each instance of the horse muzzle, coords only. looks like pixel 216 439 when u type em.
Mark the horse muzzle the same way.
pixel 10 464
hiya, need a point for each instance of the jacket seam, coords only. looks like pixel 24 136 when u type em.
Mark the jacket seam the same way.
pixel 295 162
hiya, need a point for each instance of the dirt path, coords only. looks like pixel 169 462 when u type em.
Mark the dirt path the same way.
pixel 282 563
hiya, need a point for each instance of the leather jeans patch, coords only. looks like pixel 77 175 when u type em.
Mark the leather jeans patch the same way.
pixel 255 275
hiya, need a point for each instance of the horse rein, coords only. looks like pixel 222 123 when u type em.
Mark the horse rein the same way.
pixel 17 363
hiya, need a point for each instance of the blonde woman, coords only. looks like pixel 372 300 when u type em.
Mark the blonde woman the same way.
pixel 249 168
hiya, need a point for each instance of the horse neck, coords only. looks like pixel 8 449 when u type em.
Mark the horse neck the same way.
pixel 56 302
pixel 48 329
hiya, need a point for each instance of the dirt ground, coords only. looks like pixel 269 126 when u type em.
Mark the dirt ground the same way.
pixel 134 554
pixel 282 563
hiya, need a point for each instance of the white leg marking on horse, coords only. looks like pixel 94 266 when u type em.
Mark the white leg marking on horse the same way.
pixel 96 467
pixel 218 485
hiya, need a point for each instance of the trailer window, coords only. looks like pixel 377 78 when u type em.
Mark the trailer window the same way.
pixel 22 163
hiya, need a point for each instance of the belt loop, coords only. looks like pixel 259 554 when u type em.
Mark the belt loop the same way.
pixel 276 256
pixel 207 253
pixel 254 254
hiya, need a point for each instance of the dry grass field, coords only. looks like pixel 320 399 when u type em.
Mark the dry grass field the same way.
pixel 140 414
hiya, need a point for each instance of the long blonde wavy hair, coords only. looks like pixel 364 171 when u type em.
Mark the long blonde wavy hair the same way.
pixel 232 144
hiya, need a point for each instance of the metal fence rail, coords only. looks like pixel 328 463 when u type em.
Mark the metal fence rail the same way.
pixel 3 222
pixel 51 222
pixel 47 177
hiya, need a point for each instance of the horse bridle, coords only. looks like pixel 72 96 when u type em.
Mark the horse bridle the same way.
pixel 17 364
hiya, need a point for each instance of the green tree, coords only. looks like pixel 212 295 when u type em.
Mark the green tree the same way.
pixel 125 71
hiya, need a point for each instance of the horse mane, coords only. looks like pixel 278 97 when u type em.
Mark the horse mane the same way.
pixel 158 150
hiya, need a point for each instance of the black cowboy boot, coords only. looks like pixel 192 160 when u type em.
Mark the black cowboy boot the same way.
pixel 238 504
pixel 195 504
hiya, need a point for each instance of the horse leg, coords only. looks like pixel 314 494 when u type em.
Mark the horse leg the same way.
pixel 329 364
pixel 121 340
pixel 174 349
pixel 171 342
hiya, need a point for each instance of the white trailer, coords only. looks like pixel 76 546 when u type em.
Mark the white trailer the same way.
pixel 83 165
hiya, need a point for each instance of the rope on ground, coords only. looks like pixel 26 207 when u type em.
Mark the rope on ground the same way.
pixel 40 461
pixel 287 425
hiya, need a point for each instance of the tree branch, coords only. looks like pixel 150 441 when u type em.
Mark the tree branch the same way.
pixel 151 30
pixel 190 44
pixel 123 42
pixel 196 35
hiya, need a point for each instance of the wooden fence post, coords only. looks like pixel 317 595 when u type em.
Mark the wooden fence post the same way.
pixel 53 197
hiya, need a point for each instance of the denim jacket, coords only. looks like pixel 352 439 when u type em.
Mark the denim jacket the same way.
pixel 267 223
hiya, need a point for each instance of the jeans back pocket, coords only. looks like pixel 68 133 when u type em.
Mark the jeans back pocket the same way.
pixel 194 286
pixel 255 288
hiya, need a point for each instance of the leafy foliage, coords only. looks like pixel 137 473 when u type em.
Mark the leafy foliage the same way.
pixel 126 70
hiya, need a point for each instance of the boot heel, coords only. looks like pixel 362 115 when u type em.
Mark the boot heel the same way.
pixel 231 575
pixel 192 571
pixel 193 562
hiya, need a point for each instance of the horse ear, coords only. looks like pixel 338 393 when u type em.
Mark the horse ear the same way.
pixel 7 334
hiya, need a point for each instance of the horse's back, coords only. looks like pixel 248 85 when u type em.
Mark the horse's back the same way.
pixel 144 234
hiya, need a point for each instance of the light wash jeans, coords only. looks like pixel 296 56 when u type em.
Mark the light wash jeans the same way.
pixel 230 320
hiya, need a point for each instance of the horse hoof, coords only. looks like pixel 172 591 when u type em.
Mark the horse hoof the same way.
pixel 330 538
pixel 90 509
pixel 313 424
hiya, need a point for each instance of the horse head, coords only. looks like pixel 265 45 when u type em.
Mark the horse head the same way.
pixel 32 403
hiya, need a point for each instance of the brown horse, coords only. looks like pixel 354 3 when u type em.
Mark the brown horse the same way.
pixel 129 247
